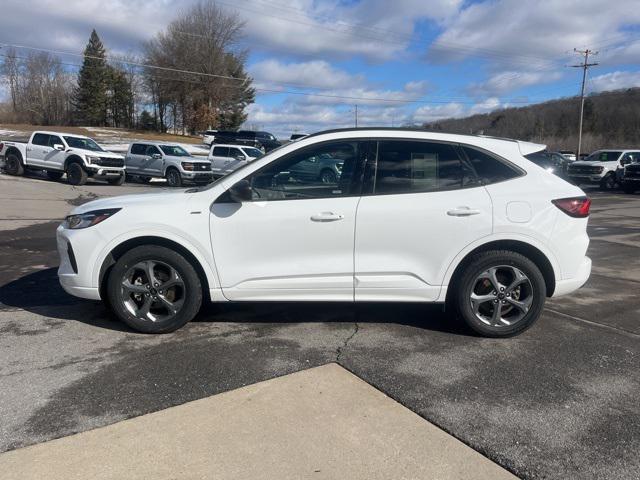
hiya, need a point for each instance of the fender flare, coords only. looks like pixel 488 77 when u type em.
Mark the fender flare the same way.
pixel 73 158
pixel 16 150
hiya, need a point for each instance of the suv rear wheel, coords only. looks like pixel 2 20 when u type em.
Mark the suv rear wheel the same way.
pixel 154 289
pixel 499 293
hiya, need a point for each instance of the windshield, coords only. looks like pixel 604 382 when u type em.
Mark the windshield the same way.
pixel 174 151
pixel 253 152
pixel 83 143
pixel 604 156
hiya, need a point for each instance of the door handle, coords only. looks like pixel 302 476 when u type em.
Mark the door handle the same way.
pixel 463 212
pixel 326 217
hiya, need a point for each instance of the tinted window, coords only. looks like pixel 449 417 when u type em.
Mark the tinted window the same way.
pixel 40 139
pixel 320 171
pixel 541 159
pixel 83 143
pixel 151 150
pixel 412 166
pixel 55 140
pixel 607 156
pixel 234 152
pixel 253 152
pixel 488 168
pixel 220 151
pixel 138 149
pixel 174 150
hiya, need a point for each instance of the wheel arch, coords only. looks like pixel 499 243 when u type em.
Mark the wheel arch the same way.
pixel 123 247
pixel 73 159
pixel 16 151
pixel 533 253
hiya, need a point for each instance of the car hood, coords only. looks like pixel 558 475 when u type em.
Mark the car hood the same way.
pixel 190 159
pixel 145 199
pixel 104 154
pixel 593 163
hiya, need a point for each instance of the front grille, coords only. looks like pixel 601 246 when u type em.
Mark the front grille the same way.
pixel 109 162
pixel 203 167
pixel 584 170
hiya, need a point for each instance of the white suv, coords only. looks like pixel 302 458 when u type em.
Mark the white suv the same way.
pixel 413 216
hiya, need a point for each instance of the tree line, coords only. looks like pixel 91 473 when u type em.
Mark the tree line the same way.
pixel 610 120
pixel 188 78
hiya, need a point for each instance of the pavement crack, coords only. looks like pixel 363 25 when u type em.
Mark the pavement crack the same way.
pixel 341 348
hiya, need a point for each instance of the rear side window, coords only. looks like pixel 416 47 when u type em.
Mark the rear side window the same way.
pixel 138 149
pixel 414 166
pixel 220 151
pixel 41 139
pixel 488 168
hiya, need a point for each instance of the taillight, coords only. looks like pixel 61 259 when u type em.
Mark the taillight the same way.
pixel 577 207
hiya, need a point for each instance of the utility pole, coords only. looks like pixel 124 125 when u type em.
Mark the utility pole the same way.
pixel 584 66
pixel 356 115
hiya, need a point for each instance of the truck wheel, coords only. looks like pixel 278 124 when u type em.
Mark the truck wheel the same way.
pixel 499 293
pixel 116 181
pixel 328 176
pixel 608 182
pixel 173 177
pixel 76 175
pixel 54 175
pixel 13 165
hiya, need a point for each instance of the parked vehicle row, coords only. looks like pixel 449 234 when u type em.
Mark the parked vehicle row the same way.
pixel 264 141
pixel 81 158
pixel 604 168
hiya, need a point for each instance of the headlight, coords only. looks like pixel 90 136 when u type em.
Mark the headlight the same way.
pixel 339 167
pixel 188 166
pixel 88 219
pixel 91 158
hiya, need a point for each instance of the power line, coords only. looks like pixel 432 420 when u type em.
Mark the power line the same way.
pixel 585 66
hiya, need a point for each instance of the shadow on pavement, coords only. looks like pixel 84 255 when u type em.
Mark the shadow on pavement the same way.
pixel 40 293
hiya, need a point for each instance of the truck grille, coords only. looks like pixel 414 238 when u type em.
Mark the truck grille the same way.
pixel 202 167
pixel 109 162
pixel 584 170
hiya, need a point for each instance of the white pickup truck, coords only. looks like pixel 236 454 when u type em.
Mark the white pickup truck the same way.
pixel 58 153
pixel 603 168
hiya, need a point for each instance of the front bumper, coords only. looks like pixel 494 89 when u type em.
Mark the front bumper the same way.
pixel 197 176
pixel 586 178
pixel 73 275
pixel 569 285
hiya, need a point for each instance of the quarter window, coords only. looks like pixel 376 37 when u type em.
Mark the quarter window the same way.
pixel 414 166
pixel 488 168
pixel 321 171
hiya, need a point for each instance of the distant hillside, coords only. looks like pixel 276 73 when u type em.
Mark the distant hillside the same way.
pixel 611 119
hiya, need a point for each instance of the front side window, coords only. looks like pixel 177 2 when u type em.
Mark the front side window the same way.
pixel 320 171
pixel 488 168
pixel 253 152
pixel 418 166
pixel 235 152
pixel 604 156
pixel 152 150
pixel 55 140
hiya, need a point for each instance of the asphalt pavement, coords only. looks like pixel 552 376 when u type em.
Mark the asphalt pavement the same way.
pixel 559 401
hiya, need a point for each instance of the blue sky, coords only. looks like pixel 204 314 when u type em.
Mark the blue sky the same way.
pixel 402 61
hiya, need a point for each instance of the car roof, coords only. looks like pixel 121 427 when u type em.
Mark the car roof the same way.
pixel 486 141
pixel 61 134
pixel 232 145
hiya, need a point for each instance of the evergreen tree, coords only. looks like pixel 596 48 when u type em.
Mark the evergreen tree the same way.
pixel 91 92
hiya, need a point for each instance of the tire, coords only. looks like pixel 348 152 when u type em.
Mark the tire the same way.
pixel 141 302
pixel 13 165
pixel 481 316
pixel 76 175
pixel 608 182
pixel 173 177
pixel 328 176
pixel 54 175
pixel 628 188
pixel 116 181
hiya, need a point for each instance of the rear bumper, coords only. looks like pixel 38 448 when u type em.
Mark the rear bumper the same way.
pixel 569 285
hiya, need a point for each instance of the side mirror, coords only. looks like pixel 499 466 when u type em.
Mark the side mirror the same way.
pixel 241 192
pixel 156 156
pixel 240 158
pixel 59 147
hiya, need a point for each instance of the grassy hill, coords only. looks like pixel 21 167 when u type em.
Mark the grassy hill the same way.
pixel 611 119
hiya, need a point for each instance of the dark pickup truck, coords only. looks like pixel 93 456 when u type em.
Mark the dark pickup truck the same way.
pixel 263 140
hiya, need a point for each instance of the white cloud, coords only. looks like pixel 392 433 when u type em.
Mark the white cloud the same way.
pixel 312 74
pixel 366 95
pixel 614 81
pixel 433 113
pixel 508 81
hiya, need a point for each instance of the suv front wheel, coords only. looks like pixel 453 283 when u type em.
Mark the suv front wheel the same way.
pixel 499 293
pixel 154 289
